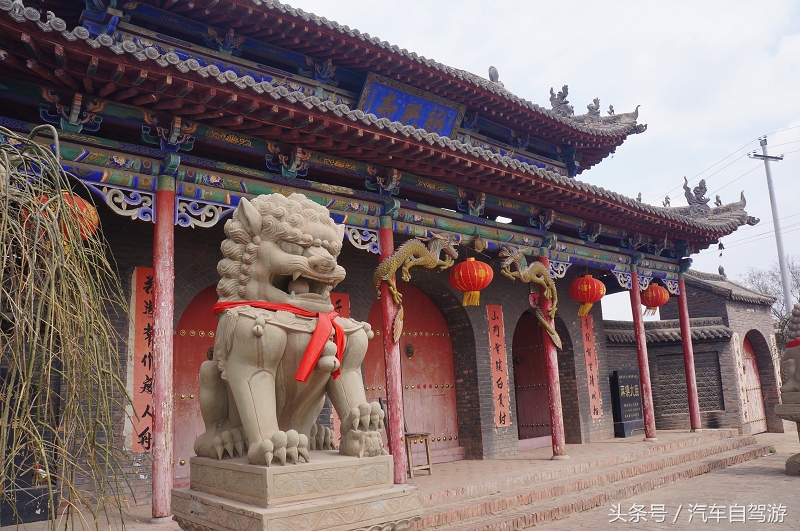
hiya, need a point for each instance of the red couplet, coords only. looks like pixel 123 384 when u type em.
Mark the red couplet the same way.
pixel 163 310
pixel 394 387
pixel 553 382
pixel 644 366
pixel 688 358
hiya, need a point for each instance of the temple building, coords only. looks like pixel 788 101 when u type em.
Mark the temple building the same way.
pixel 172 111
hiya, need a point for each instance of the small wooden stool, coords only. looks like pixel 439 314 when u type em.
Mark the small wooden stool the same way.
pixel 418 438
pixel 411 438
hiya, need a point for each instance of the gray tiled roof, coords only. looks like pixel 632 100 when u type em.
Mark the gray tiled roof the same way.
pixel 723 219
pixel 708 328
pixel 720 285
pixel 496 88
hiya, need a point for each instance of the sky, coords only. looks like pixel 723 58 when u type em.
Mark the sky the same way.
pixel 711 78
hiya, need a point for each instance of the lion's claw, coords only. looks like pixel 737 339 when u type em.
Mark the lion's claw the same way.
pixel 281 447
pixel 321 438
pixel 361 431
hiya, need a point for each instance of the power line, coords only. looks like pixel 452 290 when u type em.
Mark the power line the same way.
pixel 736 179
pixel 715 164
pixel 769 235
pixel 766 222
pixel 739 177
pixel 730 155
pixel 762 233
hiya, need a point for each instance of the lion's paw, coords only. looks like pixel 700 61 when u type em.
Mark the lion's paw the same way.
pixel 230 442
pixel 281 447
pixel 322 438
pixel 361 430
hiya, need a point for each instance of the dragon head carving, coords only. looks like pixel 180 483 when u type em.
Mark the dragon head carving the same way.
pixel 511 256
pixel 283 250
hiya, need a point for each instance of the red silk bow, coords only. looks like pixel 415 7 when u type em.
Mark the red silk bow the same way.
pixel 325 322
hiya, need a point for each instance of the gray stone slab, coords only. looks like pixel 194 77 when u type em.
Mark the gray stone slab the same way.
pixel 327 474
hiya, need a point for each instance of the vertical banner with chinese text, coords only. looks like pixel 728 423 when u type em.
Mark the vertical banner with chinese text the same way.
pixel 142 318
pixel 587 328
pixel 497 344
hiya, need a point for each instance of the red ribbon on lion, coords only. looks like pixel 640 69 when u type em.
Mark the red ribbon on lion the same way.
pixel 325 323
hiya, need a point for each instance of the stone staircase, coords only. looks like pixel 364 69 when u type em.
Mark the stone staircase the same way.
pixel 528 499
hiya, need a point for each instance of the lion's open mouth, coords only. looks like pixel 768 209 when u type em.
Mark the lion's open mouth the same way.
pixel 301 286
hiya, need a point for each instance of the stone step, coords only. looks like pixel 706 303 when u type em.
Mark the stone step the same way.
pixel 517 481
pixel 507 500
pixel 522 510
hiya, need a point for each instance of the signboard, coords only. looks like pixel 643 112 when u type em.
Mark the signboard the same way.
pixel 142 359
pixel 386 98
pixel 497 344
pixel 626 401
pixel 590 357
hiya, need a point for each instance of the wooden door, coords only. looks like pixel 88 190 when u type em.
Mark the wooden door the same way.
pixel 193 338
pixel 429 394
pixel 752 385
pixel 530 379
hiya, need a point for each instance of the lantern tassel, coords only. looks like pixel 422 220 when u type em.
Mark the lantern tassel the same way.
pixel 471 298
pixel 650 310
pixel 584 309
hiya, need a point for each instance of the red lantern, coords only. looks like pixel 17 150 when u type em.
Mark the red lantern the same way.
pixel 85 214
pixel 587 291
pixel 81 210
pixel 653 297
pixel 471 277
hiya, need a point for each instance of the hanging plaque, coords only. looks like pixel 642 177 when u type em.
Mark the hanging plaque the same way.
pixel 387 98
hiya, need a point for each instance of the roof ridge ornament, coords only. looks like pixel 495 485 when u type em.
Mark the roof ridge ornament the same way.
pixel 559 102
pixel 494 76
pixel 696 197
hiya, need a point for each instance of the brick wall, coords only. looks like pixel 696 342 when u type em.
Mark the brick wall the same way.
pixel 747 320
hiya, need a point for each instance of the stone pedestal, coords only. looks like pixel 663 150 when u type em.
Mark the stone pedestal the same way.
pixel 332 492
pixel 791 412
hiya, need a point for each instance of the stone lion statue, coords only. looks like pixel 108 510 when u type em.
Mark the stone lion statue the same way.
pixel 790 361
pixel 279 346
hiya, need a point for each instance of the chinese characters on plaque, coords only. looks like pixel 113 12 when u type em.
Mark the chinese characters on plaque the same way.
pixel 590 356
pixel 497 344
pixel 142 307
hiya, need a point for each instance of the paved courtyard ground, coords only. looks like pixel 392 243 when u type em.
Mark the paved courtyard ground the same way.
pixel 753 496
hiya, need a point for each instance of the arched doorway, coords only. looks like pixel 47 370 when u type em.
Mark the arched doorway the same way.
pixel 530 382
pixel 193 338
pixel 429 394
pixel 756 413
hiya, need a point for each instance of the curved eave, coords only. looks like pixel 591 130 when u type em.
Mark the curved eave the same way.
pixel 389 59
pixel 460 164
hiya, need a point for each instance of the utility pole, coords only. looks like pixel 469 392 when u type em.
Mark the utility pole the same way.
pixel 787 288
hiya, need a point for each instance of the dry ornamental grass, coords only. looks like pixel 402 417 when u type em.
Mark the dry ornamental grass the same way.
pixel 60 383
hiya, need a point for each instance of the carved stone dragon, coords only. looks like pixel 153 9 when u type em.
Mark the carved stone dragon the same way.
pixel 414 253
pixel 534 273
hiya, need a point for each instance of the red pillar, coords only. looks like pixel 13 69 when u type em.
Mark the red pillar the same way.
pixel 688 357
pixel 553 382
pixel 644 366
pixel 163 310
pixel 395 429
